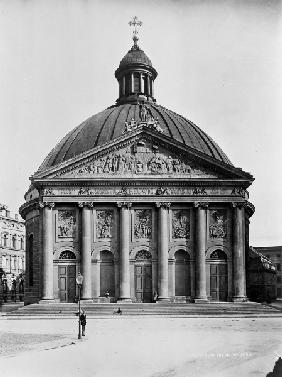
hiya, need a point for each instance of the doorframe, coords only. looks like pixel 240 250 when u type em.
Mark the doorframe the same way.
pixel 143 262
pixel 61 263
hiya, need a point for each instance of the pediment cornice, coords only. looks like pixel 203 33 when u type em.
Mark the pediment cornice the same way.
pixel 181 161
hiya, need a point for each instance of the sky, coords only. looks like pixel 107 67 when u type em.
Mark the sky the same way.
pixel 218 62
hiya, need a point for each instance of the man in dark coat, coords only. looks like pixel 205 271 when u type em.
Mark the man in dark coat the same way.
pixel 83 321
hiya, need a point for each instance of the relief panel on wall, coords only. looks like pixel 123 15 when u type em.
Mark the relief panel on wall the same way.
pixel 218 223
pixel 180 223
pixel 143 223
pixel 66 224
pixel 104 224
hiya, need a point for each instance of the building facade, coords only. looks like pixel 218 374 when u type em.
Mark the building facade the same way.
pixel 12 255
pixel 261 277
pixel 274 253
pixel 140 201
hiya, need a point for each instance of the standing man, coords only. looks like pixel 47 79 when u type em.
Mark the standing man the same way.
pixel 83 321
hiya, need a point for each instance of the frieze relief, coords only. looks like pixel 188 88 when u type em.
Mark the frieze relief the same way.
pixel 104 224
pixel 218 223
pixel 142 191
pixel 66 224
pixel 140 158
pixel 180 224
pixel 143 223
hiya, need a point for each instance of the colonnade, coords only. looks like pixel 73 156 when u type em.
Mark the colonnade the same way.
pixel 239 281
pixel 127 87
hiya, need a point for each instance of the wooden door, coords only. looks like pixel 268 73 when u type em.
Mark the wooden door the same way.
pixel 218 282
pixel 67 284
pixel 143 282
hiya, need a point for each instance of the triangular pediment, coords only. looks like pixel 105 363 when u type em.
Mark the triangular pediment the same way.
pixel 144 154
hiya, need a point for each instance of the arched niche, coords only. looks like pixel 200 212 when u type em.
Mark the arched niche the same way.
pixel 182 273
pixel 107 273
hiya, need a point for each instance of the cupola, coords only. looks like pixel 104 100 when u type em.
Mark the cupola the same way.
pixel 135 73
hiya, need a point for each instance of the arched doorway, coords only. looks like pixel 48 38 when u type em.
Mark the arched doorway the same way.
pixel 66 276
pixel 182 275
pixel 143 276
pixel 107 274
pixel 218 276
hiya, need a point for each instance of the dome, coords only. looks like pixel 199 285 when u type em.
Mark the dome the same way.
pixel 110 124
pixel 135 56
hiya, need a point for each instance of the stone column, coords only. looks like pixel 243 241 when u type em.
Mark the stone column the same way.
pixel 200 253
pixel 163 251
pixel 124 277
pixel 148 85
pixel 86 290
pixel 47 251
pixel 239 273
pixel 141 83
pixel 132 83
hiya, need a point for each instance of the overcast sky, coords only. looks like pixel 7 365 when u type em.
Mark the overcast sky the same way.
pixel 219 65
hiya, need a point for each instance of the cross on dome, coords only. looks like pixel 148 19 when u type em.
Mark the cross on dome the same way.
pixel 135 23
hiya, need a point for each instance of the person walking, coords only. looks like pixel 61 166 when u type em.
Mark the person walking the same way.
pixel 83 321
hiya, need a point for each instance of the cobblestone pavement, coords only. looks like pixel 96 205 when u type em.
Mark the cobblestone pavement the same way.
pixel 141 347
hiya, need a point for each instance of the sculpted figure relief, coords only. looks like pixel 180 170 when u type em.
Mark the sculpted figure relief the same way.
pixel 180 224
pixel 66 223
pixel 143 223
pixel 148 163
pixel 104 224
pixel 218 227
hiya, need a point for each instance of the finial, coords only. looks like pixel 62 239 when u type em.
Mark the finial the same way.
pixel 135 23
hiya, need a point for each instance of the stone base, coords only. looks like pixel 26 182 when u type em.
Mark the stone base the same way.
pixel 104 300
pixel 163 299
pixel 124 300
pixel 47 301
pixel 239 299
pixel 85 300
pixel 201 301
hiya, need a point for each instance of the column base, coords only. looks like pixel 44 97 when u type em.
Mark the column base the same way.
pixel 163 299
pixel 239 299
pixel 82 300
pixel 202 300
pixel 46 301
pixel 124 300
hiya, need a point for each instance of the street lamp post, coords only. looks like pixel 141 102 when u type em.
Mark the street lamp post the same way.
pixel 79 280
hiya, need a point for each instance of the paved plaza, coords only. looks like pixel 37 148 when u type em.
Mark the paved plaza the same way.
pixel 141 347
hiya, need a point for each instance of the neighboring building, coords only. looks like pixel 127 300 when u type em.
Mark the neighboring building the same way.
pixel 261 277
pixel 12 253
pixel 274 253
pixel 142 202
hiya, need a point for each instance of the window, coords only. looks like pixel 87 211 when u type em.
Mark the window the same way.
pixel 3 261
pixel 5 240
pixel 278 266
pixel 278 279
pixel 20 261
pixel 14 242
pixel 136 83
pixel 13 264
pixel 22 243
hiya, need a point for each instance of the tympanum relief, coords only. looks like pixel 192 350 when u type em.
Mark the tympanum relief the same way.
pixel 138 159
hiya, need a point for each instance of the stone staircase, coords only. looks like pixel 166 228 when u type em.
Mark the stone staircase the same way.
pixel 151 309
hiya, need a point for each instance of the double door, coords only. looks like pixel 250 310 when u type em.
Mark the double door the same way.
pixel 143 282
pixel 218 281
pixel 67 283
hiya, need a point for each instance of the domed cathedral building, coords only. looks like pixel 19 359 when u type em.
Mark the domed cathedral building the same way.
pixel 141 201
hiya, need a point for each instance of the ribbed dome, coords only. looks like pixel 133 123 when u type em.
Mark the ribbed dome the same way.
pixel 110 124
pixel 135 56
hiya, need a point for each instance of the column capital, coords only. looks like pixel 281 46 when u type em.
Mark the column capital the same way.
pixel 202 205
pixel 163 204
pixel 85 204
pixel 124 204
pixel 239 205
pixel 46 204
